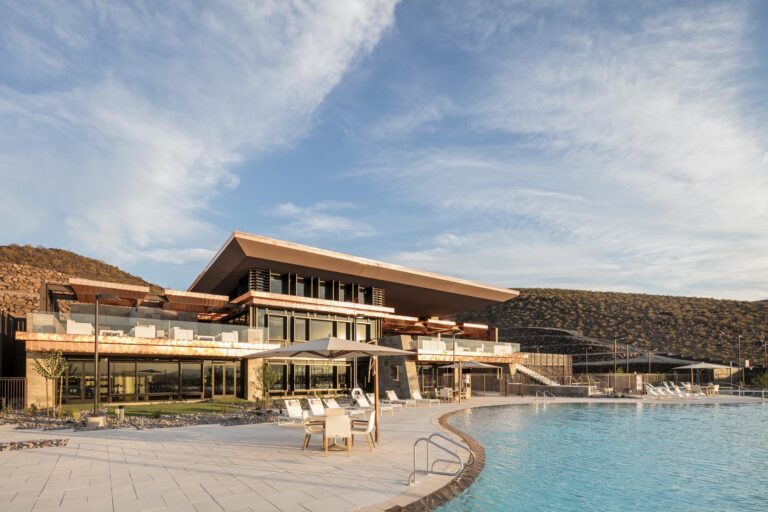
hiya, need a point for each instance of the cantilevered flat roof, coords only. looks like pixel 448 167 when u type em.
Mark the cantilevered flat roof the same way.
pixel 409 291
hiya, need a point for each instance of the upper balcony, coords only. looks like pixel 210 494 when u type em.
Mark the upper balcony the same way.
pixel 74 332
pixel 430 348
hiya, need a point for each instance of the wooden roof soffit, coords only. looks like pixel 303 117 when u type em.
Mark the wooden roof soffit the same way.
pixel 129 294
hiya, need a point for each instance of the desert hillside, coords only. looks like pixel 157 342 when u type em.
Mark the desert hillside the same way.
pixel 24 267
pixel 688 326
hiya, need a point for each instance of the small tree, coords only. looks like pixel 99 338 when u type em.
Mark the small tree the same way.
pixel 266 376
pixel 52 367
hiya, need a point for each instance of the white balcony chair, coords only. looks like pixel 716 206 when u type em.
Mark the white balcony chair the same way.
pixel 230 337
pixel 177 333
pixel 74 327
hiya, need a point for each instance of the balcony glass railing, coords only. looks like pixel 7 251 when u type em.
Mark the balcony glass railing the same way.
pixel 444 346
pixel 150 328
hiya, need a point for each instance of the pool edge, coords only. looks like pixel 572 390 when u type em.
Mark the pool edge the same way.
pixel 460 482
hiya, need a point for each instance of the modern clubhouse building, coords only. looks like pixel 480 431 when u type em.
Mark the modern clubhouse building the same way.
pixel 257 293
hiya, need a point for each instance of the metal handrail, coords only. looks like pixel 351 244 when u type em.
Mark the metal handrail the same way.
pixel 431 469
pixel 545 395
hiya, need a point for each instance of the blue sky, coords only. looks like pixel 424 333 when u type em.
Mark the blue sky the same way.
pixel 596 145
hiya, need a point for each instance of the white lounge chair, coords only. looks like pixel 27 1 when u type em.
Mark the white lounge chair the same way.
pixel 144 331
pixel 338 426
pixel 365 428
pixel 652 391
pixel 364 404
pixel 671 391
pixel 681 392
pixel 316 407
pixel 372 400
pixel 331 403
pixel 416 395
pixel 392 396
pixel 294 414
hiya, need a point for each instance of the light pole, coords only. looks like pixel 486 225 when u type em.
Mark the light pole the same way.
pixel 741 367
pixel 627 358
pixel 454 359
pixel 96 374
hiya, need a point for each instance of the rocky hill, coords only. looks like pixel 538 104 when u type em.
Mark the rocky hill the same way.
pixel 23 268
pixel 688 326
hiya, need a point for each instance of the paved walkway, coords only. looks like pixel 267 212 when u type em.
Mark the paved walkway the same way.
pixel 250 467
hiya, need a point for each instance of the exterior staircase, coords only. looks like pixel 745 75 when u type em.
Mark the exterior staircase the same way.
pixel 536 375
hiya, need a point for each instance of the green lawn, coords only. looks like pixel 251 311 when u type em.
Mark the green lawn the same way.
pixel 222 405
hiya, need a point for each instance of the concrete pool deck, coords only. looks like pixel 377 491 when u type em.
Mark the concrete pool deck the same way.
pixel 247 467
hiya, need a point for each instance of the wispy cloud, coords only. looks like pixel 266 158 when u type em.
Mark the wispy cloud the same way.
pixel 123 122
pixel 320 220
pixel 620 155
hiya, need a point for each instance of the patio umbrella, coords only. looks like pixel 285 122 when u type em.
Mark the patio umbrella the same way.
pixel 470 364
pixel 700 366
pixel 336 348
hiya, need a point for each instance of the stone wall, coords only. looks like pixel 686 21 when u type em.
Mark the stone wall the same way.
pixel 406 372
pixel 20 286
pixel 36 384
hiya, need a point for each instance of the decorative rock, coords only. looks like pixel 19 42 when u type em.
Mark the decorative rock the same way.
pixel 38 443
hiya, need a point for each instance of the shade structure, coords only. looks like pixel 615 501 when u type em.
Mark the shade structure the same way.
pixel 700 366
pixel 336 348
pixel 470 365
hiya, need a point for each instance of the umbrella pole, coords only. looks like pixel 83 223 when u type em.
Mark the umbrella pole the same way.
pixel 376 394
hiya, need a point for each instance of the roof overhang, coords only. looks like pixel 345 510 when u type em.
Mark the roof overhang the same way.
pixel 409 291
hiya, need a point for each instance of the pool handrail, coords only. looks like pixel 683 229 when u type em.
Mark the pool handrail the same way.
pixel 430 469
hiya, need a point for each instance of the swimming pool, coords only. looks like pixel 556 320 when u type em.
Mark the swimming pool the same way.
pixel 618 457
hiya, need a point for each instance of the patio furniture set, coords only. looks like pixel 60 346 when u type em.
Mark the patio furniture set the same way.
pixel 333 421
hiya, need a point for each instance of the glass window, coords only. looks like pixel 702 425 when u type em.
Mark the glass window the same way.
pixel 320 329
pixel 191 378
pixel 395 373
pixel 365 295
pixel 277 327
pixel 342 292
pixel 363 332
pixel 342 330
pixel 300 377
pixel 321 377
pixel 123 378
pixel 325 290
pixel 301 287
pixel 75 381
pixel 261 318
pixel 276 283
pixel 300 329
pixel 279 384
pixel 158 377
pixel 342 377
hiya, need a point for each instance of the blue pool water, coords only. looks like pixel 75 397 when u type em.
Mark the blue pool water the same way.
pixel 618 457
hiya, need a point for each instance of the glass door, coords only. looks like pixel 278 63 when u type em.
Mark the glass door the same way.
pixel 224 379
pixel 218 380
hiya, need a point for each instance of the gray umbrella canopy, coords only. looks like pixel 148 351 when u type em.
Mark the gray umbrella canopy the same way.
pixel 470 365
pixel 329 348
pixel 701 366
